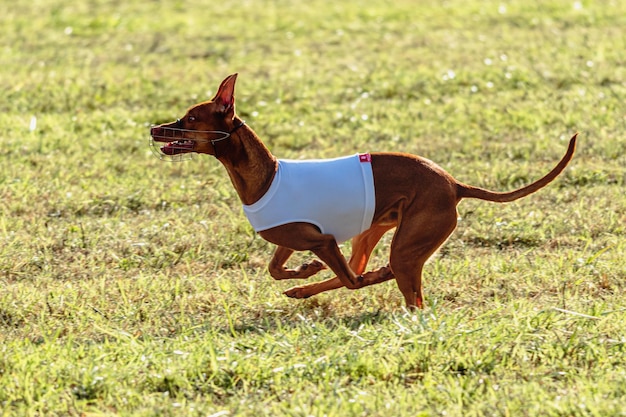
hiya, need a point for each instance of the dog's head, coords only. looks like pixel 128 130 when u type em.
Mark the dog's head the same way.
pixel 202 128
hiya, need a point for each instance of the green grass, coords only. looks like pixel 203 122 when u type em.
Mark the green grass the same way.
pixel 135 287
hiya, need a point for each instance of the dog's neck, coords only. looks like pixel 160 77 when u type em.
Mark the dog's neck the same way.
pixel 250 165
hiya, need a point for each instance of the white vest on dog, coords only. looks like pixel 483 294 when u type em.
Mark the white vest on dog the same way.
pixel 336 195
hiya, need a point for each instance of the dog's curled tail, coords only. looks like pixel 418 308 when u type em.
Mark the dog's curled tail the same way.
pixel 467 191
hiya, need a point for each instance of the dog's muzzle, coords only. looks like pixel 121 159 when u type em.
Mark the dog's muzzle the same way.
pixel 174 145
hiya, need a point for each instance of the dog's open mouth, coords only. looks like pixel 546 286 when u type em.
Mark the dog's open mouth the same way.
pixel 178 147
pixel 167 147
pixel 170 143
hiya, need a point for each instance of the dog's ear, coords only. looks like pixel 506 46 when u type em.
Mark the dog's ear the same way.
pixel 225 97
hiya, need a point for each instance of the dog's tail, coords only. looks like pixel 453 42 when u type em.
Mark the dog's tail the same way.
pixel 467 191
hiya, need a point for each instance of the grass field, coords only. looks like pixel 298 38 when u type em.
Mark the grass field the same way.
pixel 130 286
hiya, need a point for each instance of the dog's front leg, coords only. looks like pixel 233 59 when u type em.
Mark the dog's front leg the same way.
pixel 305 236
pixel 370 278
pixel 362 247
pixel 278 270
pixel 329 252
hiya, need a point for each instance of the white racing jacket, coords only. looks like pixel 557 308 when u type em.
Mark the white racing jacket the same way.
pixel 336 195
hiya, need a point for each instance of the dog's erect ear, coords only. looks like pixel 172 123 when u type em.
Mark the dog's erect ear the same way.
pixel 225 97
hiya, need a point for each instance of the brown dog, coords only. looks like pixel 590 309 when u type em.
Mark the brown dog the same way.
pixel 412 194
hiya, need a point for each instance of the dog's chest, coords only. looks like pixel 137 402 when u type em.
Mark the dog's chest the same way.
pixel 336 195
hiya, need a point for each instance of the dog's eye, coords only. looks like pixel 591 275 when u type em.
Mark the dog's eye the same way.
pixel 191 119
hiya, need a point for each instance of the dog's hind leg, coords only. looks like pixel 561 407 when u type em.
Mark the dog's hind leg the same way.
pixel 416 239
pixel 363 245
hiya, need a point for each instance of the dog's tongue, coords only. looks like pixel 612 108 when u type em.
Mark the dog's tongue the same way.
pixel 175 148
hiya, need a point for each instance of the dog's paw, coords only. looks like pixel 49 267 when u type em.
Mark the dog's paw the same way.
pixel 297 292
pixel 308 269
pixel 313 266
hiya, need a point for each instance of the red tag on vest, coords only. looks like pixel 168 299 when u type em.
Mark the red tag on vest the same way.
pixel 365 157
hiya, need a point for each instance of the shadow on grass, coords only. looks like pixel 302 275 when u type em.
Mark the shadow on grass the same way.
pixel 299 318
